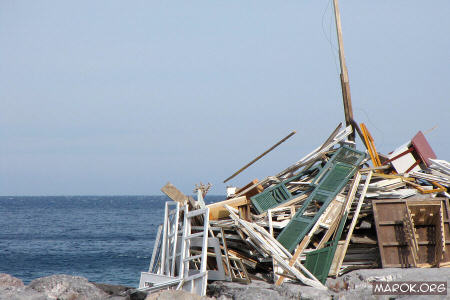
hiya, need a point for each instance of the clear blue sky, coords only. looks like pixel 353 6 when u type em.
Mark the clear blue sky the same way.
pixel 119 97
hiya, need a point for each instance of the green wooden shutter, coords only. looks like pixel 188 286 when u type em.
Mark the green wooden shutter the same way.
pixel 277 194
pixel 318 262
pixel 331 179
pixel 270 198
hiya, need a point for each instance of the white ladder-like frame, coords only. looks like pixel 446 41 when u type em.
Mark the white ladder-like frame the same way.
pixel 156 254
pixel 170 237
pixel 165 272
pixel 194 281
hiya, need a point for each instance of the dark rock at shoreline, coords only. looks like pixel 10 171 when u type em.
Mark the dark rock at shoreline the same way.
pixel 121 291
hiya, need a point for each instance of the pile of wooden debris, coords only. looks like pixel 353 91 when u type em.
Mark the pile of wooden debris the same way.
pixel 328 213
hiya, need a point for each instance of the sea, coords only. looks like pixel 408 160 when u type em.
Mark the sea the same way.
pixel 107 239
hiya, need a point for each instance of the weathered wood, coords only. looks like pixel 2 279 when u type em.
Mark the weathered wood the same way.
pixel 392 239
pixel 260 156
pixel 173 193
pixel 255 189
pixel 340 258
pixel 327 219
pixel 244 210
pixel 276 251
pixel 218 211
pixel 333 139
pixel 346 96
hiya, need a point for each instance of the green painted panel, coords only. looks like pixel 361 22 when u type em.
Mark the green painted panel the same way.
pixel 318 262
pixel 270 198
pixel 332 178
pixel 349 156
pixel 273 196
pixel 301 223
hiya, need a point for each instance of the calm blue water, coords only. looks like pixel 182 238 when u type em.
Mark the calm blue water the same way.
pixel 106 239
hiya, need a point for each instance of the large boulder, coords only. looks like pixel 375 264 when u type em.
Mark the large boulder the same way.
pixel 7 281
pixel 12 288
pixel 66 287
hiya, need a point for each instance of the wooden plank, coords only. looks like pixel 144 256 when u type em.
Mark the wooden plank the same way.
pixel 346 96
pixel 218 211
pixel 173 193
pixel 260 156
pixel 255 189
pixel 340 258
pixel 317 153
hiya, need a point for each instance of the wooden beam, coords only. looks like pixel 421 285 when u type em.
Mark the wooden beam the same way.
pixel 345 85
pixel 173 193
pixel 218 211
pixel 256 159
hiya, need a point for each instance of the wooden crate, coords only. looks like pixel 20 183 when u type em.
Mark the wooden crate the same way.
pixel 392 241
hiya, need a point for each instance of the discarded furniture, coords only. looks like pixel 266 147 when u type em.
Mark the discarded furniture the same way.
pixel 412 156
pixel 176 264
pixel 162 273
pixel 194 280
pixel 401 224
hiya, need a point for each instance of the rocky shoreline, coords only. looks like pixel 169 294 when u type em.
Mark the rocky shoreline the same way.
pixel 354 285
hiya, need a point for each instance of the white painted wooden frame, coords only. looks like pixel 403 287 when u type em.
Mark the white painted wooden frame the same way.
pixel 156 254
pixel 277 251
pixel 165 273
pixel 194 281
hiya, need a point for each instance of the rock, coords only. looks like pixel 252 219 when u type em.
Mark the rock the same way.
pixel 66 287
pixel 237 291
pixel 355 285
pixel 8 281
pixel 115 290
pixel 21 294
pixel 174 295
pixel 359 282
pixel 12 288
pixel 298 291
